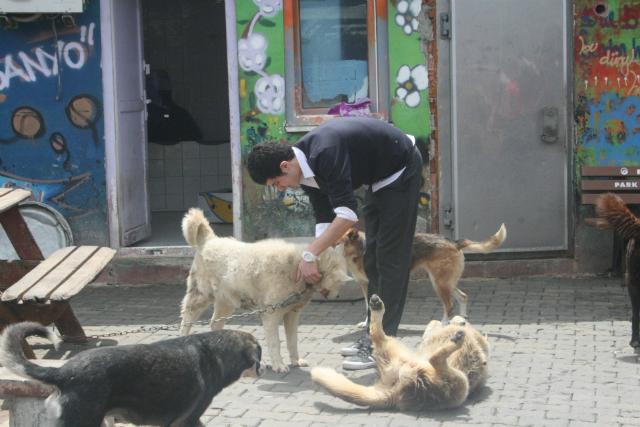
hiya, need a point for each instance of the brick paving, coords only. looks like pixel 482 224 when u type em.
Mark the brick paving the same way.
pixel 559 354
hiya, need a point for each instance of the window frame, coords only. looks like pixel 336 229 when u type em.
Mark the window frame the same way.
pixel 305 119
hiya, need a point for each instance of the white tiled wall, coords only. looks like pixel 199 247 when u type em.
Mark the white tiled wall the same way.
pixel 177 173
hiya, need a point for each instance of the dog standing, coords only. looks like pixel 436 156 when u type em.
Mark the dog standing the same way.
pixel 230 274
pixel 450 363
pixel 167 383
pixel 442 258
pixel 612 208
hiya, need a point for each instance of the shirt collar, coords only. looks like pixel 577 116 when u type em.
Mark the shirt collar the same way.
pixel 304 165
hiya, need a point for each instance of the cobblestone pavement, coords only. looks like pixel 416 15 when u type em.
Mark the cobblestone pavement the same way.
pixel 559 354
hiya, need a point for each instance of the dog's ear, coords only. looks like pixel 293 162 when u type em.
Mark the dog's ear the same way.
pixel 340 249
pixel 353 234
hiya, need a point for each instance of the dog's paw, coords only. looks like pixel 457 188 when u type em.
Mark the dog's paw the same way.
pixel 458 336
pixel 459 321
pixel 375 303
pixel 300 362
pixel 362 324
pixel 280 367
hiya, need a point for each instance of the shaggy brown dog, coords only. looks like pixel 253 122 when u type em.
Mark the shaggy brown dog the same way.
pixel 442 258
pixel 612 208
pixel 450 363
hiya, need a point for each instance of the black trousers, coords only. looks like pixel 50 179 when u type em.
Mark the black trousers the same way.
pixel 390 216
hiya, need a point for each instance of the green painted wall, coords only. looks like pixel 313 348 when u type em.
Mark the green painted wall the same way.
pixel 260 30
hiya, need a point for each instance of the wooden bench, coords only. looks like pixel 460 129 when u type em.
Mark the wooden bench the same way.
pixel 610 179
pixel 26 397
pixel 43 294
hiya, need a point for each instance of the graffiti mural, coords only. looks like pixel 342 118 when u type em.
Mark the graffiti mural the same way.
pixel 51 128
pixel 607 83
pixel 260 32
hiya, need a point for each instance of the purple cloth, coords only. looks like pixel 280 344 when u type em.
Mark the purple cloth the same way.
pixel 360 108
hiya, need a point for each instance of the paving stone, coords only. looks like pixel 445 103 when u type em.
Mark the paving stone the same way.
pixel 559 354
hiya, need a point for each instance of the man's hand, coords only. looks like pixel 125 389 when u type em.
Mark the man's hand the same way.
pixel 308 271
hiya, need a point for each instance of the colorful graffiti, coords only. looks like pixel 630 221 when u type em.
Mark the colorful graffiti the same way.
pixel 607 83
pixel 252 56
pixel 268 212
pixel 50 119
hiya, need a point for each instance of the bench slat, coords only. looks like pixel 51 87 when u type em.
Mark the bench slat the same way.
pixel 17 290
pixel 610 171
pixel 590 199
pixel 4 191
pixel 609 184
pixel 83 275
pixel 11 198
pixel 41 291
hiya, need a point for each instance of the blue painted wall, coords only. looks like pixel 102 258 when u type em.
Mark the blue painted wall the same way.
pixel 55 147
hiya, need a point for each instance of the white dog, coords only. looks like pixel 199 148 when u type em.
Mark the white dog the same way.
pixel 230 274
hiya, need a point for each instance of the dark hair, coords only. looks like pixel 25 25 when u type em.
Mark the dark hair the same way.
pixel 263 160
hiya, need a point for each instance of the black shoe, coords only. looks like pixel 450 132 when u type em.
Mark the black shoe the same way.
pixel 362 360
pixel 353 349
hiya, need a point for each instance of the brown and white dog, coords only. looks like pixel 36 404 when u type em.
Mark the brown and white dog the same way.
pixel 612 208
pixel 236 275
pixel 442 258
pixel 450 363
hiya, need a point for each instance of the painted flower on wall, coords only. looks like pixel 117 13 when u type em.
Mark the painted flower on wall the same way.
pixel 270 92
pixel 252 52
pixel 269 8
pixel 411 81
pixel 407 15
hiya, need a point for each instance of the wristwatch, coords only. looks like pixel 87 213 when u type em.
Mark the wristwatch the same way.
pixel 308 256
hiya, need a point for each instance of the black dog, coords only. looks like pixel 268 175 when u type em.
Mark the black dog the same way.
pixel 618 215
pixel 168 383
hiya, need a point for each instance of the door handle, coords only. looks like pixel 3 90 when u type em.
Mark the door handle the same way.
pixel 549 124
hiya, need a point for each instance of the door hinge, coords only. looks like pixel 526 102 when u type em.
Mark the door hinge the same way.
pixel 448 216
pixel 445 25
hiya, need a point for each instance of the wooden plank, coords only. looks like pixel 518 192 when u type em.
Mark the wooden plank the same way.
pixel 45 287
pixel 19 235
pixel 630 199
pixel 610 171
pixel 599 223
pixel 15 292
pixel 12 271
pixel 12 198
pixel 609 184
pixel 83 275
pixel 4 191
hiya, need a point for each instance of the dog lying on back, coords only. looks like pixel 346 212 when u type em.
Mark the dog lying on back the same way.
pixel 167 383
pixel 442 258
pixel 612 208
pixel 450 363
pixel 230 274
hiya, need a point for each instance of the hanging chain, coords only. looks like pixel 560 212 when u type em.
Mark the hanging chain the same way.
pixel 269 309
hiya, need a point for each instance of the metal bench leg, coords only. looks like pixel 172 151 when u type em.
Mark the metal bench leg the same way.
pixel 69 327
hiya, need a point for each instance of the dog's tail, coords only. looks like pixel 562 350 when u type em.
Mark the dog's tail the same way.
pixel 12 355
pixel 196 228
pixel 347 390
pixel 612 208
pixel 485 247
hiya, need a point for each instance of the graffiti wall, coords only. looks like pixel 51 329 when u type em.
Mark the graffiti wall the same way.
pixel 267 211
pixel 607 82
pixel 51 128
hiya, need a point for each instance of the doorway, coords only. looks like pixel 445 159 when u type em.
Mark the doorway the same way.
pixel 189 153
pixel 503 119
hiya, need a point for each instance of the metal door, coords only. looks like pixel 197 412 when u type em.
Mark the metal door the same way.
pixel 505 156
pixel 133 207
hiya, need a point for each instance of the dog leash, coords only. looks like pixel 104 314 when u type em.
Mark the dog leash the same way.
pixel 269 309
